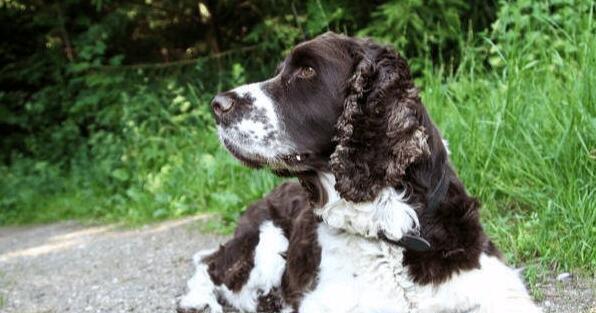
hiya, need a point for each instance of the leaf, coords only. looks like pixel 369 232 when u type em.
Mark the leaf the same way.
pixel 159 213
pixel 225 199
pixel 120 174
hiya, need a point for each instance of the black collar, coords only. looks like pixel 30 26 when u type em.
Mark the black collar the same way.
pixel 408 242
pixel 436 196
pixel 415 242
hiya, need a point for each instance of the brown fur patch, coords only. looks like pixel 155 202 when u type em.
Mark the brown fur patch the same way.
pixel 380 132
pixel 303 258
pixel 232 262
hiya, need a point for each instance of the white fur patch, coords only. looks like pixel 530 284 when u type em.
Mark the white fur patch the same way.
pixel 370 277
pixel 356 275
pixel 267 272
pixel 493 288
pixel 388 212
pixel 259 132
pixel 201 290
pixel 261 100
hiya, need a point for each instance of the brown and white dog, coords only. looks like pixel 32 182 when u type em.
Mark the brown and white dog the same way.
pixel 380 221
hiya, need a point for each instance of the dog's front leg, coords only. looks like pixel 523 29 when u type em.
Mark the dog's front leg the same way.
pixel 202 294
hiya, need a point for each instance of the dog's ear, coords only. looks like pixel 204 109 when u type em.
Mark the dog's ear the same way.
pixel 380 132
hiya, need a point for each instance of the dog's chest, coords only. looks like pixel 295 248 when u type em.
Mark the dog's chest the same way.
pixel 359 275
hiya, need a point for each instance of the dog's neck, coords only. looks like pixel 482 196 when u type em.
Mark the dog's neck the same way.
pixel 388 214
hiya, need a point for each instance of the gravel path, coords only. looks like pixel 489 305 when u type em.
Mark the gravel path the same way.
pixel 68 267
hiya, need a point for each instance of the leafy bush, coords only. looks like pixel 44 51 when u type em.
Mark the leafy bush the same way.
pixel 547 30
pixel 150 154
pixel 428 30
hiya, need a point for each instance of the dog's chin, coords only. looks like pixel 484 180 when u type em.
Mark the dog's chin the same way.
pixel 252 161
pixel 286 163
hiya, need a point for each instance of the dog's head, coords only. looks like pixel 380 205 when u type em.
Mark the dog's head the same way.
pixel 336 104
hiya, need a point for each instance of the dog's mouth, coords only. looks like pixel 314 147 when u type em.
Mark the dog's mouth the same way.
pixel 294 162
pixel 253 161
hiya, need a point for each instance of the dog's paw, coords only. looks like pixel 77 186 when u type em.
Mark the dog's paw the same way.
pixel 204 309
pixel 202 294
pixel 195 305
pixel 188 310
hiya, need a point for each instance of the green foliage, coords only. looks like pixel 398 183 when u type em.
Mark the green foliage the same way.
pixel 523 133
pixel 284 26
pixel 152 155
pixel 104 107
pixel 414 25
pixel 425 30
pixel 539 31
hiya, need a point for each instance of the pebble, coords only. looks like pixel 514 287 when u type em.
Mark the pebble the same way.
pixel 564 277
pixel 547 303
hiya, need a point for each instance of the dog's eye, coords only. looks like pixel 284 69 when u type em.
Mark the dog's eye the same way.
pixel 306 72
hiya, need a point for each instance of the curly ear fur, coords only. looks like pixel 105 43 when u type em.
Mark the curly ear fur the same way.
pixel 380 132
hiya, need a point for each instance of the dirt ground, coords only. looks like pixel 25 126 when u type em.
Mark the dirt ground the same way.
pixel 69 267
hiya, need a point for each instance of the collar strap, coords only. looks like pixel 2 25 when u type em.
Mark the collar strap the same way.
pixel 408 242
pixel 415 242
pixel 434 198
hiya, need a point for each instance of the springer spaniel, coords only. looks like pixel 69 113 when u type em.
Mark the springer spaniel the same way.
pixel 380 221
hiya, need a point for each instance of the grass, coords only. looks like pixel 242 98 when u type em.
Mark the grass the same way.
pixel 200 176
pixel 167 162
pixel 522 136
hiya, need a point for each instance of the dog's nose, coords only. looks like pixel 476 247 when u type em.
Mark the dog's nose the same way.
pixel 222 104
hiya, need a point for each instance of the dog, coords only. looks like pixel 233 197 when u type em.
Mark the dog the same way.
pixel 379 221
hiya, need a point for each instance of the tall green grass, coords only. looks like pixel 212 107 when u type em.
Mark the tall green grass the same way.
pixel 523 139
pixel 195 179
